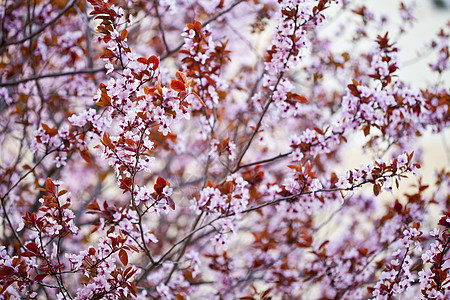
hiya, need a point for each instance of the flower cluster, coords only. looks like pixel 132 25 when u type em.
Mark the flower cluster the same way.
pixel 391 107
pixel 204 59
pixel 15 270
pixel 434 280
pixel 106 280
pixel 133 107
pixel 380 174
pixel 54 217
pixel 441 46
pixel 39 259
pixel 231 198
pixel 290 39
pixel 397 276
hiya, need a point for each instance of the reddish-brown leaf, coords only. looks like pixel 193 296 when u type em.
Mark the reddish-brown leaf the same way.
pixel 177 86
pixel 147 90
pixel 153 60
pixel 299 98
pixel 366 130
pixel 107 140
pixel 124 34
pixel 93 206
pixel 123 256
pixel 132 288
pixel 376 189
pixel 101 104
pixel 28 254
pixel 142 60
pixel 125 183
pixel 266 293
pixel 160 184
pixel 171 202
pixel 86 156
pixel 161 181
pixel 105 98
pixel 49 185
pixel 50 131
pixel 40 277
pixel 32 247
pixel 210 80
pixel 181 77
pixel 197 26
pixel 108 54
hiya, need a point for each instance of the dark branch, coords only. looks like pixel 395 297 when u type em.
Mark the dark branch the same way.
pixel 68 73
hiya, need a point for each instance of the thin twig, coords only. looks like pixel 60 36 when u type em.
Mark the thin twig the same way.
pixel 68 73
pixel 161 29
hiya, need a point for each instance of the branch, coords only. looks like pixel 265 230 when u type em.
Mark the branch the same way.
pixel 267 160
pixel 256 207
pixel 222 12
pixel 68 73
pixel 266 107
pixel 161 29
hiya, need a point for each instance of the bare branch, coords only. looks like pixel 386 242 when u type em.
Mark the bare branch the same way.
pixel 68 73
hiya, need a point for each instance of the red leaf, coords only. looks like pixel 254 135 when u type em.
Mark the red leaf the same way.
pixel 123 257
pixel 49 185
pixel 86 156
pixel 108 54
pixel 161 181
pixel 181 77
pixel 6 271
pixel 51 131
pixel 171 202
pixel 198 26
pixel 376 189
pixel 177 86
pixel 125 273
pixel 142 60
pixel 125 183
pixel 107 140
pixel 62 192
pixel 132 288
pixel 266 293
pixel 32 247
pixel 210 80
pixel 124 34
pixel 27 254
pixel 40 277
pixel 153 60
pixel 299 98
pixel 160 184
pixel 93 206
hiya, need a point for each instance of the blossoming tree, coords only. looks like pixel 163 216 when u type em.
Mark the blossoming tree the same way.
pixel 195 149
